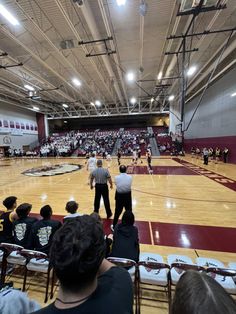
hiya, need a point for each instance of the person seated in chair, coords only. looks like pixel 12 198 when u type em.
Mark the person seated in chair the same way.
pixel 43 230
pixel 88 282
pixel 199 293
pixel 71 208
pixel 7 218
pixel 125 238
pixel 22 226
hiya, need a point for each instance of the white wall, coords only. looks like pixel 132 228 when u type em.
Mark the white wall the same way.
pixel 216 116
pixel 14 113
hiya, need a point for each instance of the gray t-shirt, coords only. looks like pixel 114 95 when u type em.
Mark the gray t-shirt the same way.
pixel 100 175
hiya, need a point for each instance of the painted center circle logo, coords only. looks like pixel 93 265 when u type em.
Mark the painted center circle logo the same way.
pixel 51 170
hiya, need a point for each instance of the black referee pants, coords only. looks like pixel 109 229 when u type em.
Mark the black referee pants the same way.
pixel 101 190
pixel 122 200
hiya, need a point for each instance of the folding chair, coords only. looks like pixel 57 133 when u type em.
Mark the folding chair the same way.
pixel 12 255
pixel 153 272
pixel 38 262
pixel 132 268
pixel 217 270
pixel 175 273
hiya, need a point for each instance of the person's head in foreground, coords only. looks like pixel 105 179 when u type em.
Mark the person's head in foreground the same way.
pixel 77 252
pixel 123 169
pixel 198 293
pixel 71 207
pixel 46 212
pixel 128 218
pixel 23 210
pixel 99 163
pixel 10 202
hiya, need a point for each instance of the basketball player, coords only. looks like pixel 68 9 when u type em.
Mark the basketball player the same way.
pixel 149 161
pixel 91 165
pixel 118 157
pixel 7 218
pixel 135 157
pixel 139 155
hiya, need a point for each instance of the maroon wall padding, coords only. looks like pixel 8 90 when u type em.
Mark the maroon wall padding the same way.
pixel 41 126
pixel 221 142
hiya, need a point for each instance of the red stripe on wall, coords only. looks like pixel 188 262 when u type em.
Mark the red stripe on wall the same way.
pixel 221 142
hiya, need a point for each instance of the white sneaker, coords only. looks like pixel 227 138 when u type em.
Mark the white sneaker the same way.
pixel 112 228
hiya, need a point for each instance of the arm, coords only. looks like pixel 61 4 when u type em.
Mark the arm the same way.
pixel 91 181
pixel 110 182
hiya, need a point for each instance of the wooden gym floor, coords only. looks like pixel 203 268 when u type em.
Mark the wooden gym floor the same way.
pixel 185 207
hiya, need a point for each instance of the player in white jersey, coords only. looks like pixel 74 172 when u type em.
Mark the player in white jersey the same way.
pixel 91 165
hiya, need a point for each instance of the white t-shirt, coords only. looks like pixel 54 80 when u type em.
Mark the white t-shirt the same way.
pixel 92 162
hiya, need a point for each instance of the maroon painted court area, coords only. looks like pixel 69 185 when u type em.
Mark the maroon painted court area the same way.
pixel 180 235
pixel 162 170
pixel 227 182
pixel 194 237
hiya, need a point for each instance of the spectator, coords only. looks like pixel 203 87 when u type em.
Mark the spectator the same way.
pixel 198 293
pixel 22 226
pixel 71 208
pixel 77 256
pixel 43 230
pixel 125 238
pixel 7 218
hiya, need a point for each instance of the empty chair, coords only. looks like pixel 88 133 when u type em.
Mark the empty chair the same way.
pixel 216 269
pixel 153 271
pixel 38 262
pixel 176 273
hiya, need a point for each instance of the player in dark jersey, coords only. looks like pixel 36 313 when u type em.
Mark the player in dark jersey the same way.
pixel 149 161
pixel 22 226
pixel 7 218
pixel 43 230
pixel 118 157
pixel 139 155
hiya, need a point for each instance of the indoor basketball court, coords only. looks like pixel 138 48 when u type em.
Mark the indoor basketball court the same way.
pixel 129 77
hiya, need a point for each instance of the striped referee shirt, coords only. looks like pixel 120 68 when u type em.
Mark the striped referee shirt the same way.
pixel 100 175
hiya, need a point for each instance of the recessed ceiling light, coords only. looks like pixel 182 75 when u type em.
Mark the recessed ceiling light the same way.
pixel 121 2
pixel 65 121
pixel 191 70
pixel 133 100
pixel 233 95
pixel 98 103
pixel 130 76
pixel 65 105
pixel 8 16
pixel 159 76
pixel 171 97
pixel 76 82
pixel 35 108
pixel 31 88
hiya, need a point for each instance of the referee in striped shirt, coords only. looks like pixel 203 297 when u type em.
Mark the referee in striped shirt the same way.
pixel 101 176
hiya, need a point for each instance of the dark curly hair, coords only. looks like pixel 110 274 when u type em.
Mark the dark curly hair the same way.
pixel 9 202
pixel 77 251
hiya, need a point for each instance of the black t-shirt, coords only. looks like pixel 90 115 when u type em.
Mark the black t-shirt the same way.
pixel 22 231
pixel 6 226
pixel 114 295
pixel 42 234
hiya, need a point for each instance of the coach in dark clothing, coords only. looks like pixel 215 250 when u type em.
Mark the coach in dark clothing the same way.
pixel 101 176
pixel 22 226
pixel 43 230
pixel 125 238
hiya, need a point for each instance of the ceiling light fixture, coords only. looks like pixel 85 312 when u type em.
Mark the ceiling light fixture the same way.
pixel 8 16
pixel 130 76
pixel 65 105
pixel 28 87
pixel 35 108
pixel 92 104
pixel 152 99
pixel 171 97
pixel 159 76
pixel 65 121
pixel 76 82
pixel 233 95
pixel 191 70
pixel 98 103
pixel 120 2
pixel 133 100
